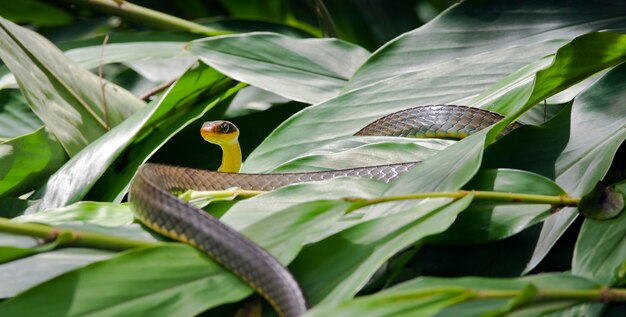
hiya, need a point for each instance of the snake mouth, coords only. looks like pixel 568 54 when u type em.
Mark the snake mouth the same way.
pixel 219 132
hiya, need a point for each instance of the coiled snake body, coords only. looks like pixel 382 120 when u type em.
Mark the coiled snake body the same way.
pixel 154 204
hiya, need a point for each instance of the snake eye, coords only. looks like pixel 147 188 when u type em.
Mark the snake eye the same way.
pixel 226 128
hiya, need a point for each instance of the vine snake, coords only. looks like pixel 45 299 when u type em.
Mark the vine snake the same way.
pixel 154 203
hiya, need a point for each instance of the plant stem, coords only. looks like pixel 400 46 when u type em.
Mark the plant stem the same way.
pixel 200 194
pixel 555 201
pixel 78 238
pixel 596 295
pixel 148 16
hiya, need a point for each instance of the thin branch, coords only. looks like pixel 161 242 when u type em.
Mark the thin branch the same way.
pixel 555 201
pixel 147 16
pixel 588 295
pixel 157 89
pixel 104 102
pixel 78 238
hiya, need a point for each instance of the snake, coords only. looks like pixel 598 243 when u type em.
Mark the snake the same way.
pixel 152 194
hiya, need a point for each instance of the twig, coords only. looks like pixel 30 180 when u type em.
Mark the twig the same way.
pixel 554 201
pixel 147 16
pixel 157 89
pixel 104 102
pixel 78 238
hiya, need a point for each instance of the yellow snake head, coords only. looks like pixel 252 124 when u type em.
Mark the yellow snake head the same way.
pixel 225 134
pixel 219 132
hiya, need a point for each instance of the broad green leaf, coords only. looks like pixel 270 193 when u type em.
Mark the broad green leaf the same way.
pixel 66 97
pixel 463 297
pixel 159 121
pixel 157 61
pixel 532 148
pixel 100 213
pixel 463 160
pixel 364 151
pixel 571 66
pixel 252 100
pixel 491 28
pixel 16 118
pixel 465 157
pixel 133 49
pixel 12 207
pixel 600 252
pixel 294 225
pixel 449 82
pixel 410 303
pixel 586 309
pixel 548 280
pixel 194 94
pixel 489 221
pixel 141 281
pixel 22 274
pixel 188 280
pixel 27 161
pixel 406 73
pixel 36 12
pixel 17 241
pixel 9 253
pixel 251 211
pixel 596 131
pixel 89 57
pixel 306 70
pixel 335 268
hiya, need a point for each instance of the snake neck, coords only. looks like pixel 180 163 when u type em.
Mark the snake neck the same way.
pixel 231 157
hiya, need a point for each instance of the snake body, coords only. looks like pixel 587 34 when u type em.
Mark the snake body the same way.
pixel 153 201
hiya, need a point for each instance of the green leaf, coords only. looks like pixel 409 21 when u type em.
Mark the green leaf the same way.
pixel 453 75
pixel 501 31
pixel 485 221
pixel 336 268
pixel 36 12
pixel 66 97
pixel 27 161
pixel 600 252
pixel 16 118
pixel 250 211
pixel 294 225
pixel 137 50
pixel 72 182
pixel 185 282
pixel 22 274
pixel 8 253
pixel 469 296
pixel 11 207
pixel 89 57
pixel 364 151
pixel 199 90
pixel 306 70
pixel 145 277
pixel 100 213
pixel 596 132
pixel 423 304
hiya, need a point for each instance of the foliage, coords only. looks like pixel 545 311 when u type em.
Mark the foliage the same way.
pixel 72 141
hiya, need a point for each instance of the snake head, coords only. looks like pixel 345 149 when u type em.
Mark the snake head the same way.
pixel 219 132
